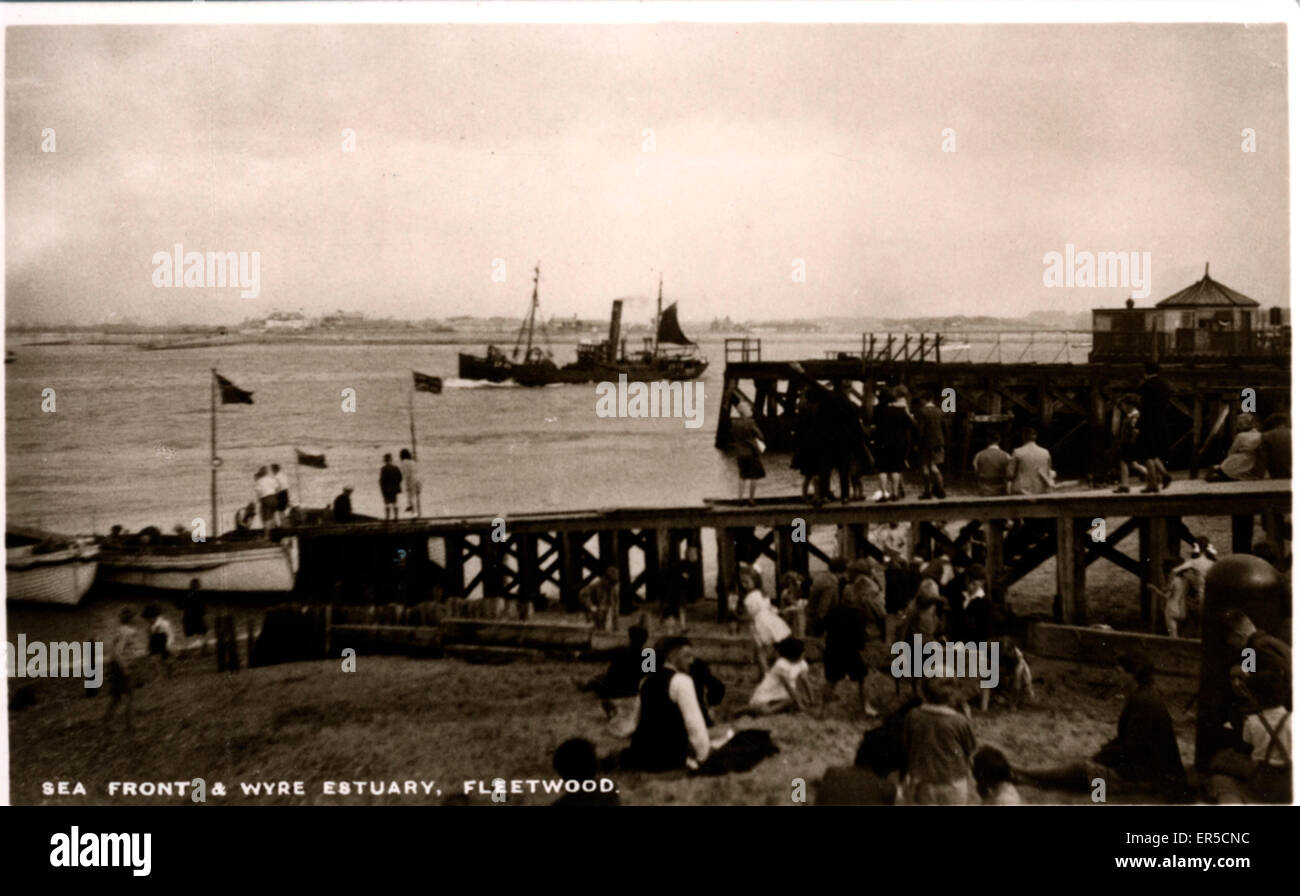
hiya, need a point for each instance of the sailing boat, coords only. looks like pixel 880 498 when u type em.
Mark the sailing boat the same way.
pixel 669 355
pixel 495 367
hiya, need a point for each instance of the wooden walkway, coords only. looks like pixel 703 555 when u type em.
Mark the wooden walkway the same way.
pixel 514 557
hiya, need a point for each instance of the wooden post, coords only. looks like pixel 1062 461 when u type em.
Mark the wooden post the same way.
pixel 1198 414
pixel 993 532
pixel 453 568
pixel 1071 569
pixel 726 569
pixel 846 542
pixel 491 555
pixel 571 568
pixel 623 541
pixel 1098 434
pixel 1154 555
pixel 529 578
pixel 1243 533
pixel 693 540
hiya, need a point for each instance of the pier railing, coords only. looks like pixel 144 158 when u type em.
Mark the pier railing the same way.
pixel 742 349
pixel 972 346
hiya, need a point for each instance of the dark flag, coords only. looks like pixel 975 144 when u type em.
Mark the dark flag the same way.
pixel 426 383
pixel 232 394
pixel 308 459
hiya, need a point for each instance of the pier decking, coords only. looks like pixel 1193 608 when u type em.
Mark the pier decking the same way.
pixel 514 557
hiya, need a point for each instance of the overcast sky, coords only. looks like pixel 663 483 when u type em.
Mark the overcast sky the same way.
pixel 771 143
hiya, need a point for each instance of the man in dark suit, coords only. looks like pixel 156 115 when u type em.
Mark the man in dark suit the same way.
pixel 1153 418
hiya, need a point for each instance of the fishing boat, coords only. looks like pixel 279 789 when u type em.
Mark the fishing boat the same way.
pixel 45 568
pixel 496 367
pixel 228 565
pixel 668 355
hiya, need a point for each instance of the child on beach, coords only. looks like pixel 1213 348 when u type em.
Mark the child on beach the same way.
pixel 160 637
pixel 765 624
pixel 993 778
pixel 121 650
pixel 940 744
pixel 793 605
pixel 785 686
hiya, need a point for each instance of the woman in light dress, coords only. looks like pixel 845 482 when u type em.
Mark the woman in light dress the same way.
pixel 765 623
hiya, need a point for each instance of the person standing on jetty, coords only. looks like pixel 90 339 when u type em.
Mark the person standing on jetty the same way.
pixel 748 441
pixel 895 430
pixel 930 432
pixel 390 486
pixel 281 494
pixel 1130 451
pixel 266 487
pixel 411 477
pixel 1154 396
pixel 343 506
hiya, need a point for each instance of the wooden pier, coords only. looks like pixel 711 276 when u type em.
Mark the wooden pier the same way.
pixel 1073 406
pixel 516 558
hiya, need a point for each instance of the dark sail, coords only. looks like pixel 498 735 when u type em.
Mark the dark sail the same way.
pixel 669 330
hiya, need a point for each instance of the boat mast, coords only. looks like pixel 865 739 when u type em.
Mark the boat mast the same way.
pixel 528 321
pixel 659 311
pixel 532 312
pixel 215 526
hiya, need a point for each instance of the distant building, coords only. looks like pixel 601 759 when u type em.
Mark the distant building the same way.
pixel 343 319
pixel 285 320
pixel 1206 320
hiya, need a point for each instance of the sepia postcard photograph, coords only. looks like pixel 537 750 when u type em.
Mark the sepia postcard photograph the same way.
pixel 521 405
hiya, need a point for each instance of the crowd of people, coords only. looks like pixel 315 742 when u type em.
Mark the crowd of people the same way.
pixel 926 751
pixel 891 432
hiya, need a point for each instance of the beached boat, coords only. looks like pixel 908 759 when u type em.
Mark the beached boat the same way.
pixel 48 569
pixel 237 566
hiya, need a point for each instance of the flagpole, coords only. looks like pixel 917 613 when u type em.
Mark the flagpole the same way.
pixel 216 524
pixel 410 406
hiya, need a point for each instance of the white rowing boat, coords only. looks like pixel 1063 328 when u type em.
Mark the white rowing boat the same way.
pixel 39 571
pixel 236 567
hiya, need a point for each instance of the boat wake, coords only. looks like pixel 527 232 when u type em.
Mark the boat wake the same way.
pixel 457 383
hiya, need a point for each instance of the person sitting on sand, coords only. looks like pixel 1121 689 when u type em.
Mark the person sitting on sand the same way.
pixel 575 760
pixel 622 679
pixel 1258 769
pixel 993 778
pixel 872 780
pixel 940 744
pixel 671 733
pixel 785 686
pixel 1143 756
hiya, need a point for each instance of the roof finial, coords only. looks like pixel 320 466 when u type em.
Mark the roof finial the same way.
pixel 1207 269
